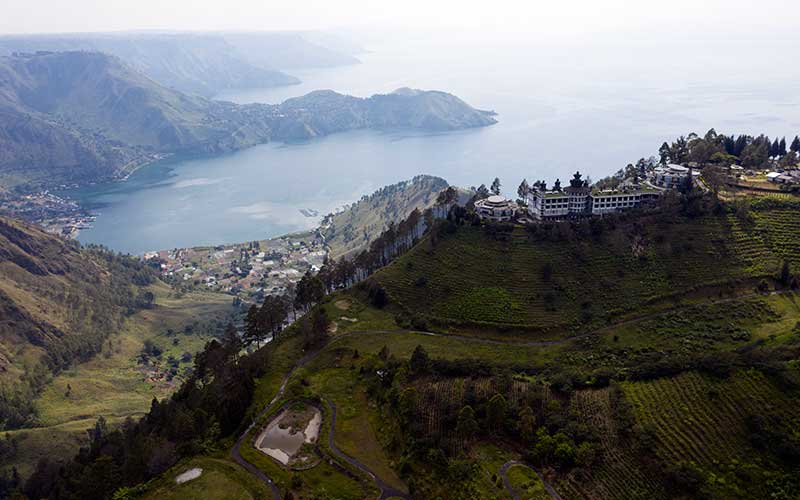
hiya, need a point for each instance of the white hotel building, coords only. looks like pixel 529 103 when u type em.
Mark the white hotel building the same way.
pixel 578 200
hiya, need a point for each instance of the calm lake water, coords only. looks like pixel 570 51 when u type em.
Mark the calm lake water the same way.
pixel 593 107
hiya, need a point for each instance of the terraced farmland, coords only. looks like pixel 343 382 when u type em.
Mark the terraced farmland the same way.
pixel 543 284
pixel 701 419
pixel 618 473
pixel 780 230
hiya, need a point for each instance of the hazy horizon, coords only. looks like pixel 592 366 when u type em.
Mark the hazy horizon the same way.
pixel 503 19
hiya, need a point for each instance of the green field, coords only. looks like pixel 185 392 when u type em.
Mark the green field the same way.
pixel 703 420
pixel 220 479
pixel 113 384
pixel 527 484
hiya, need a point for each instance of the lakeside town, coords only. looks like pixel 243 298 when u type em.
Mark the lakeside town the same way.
pixel 247 271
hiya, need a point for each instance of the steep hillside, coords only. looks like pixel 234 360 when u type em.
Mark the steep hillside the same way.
pixel 192 63
pixel 35 149
pixel 696 336
pixel 98 94
pixel 58 304
pixel 352 230
pixel 576 276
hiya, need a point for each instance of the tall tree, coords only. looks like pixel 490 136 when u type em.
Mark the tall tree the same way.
pixel 523 189
pixel 527 424
pixel 495 189
pixel 252 327
pixel 664 153
pixel 420 362
pixel 496 413
pixel 795 144
pixel 466 425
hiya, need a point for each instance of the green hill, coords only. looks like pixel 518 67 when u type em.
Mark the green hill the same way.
pixel 352 230
pixel 59 303
pixel 580 276
pixel 677 381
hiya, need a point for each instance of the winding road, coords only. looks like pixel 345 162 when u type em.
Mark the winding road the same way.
pixel 510 488
pixel 386 490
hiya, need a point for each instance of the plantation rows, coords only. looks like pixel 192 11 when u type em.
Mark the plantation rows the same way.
pixel 701 419
pixel 617 473
pixel 780 230
pixel 751 249
pixel 469 276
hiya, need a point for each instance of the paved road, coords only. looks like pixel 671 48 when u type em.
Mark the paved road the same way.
pixel 387 491
pixel 235 451
pixel 510 488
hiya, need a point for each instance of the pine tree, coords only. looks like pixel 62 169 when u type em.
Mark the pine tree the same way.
pixel 420 362
pixel 527 424
pixel 795 144
pixel 523 189
pixel 495 186
pixel 496 413
pixel 782 147
pixel 664 153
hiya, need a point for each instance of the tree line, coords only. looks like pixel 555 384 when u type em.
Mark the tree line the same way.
pixel 714 148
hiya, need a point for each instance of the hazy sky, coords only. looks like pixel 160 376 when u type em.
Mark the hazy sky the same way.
pixel 746 17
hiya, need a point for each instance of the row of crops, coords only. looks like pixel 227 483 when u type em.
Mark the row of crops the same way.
pixel 780 231
pixel 470 277
pixel 696 417
pixel 618 474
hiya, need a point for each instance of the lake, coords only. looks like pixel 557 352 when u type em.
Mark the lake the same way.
pixel 561 107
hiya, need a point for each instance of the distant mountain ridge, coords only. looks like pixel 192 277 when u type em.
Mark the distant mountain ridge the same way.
pixel 76 116
pixel 202 64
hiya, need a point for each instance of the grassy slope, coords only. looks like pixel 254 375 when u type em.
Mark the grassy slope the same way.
pixel 113 384
pixel 473 279
pixel 700 419
pixel 352 230
pixel 711 251
pixel 219 479
pixel 527 484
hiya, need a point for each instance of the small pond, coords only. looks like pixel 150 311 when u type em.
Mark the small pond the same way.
pixel 290 436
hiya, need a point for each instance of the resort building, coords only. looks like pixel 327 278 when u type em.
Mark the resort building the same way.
pixel 557 203
pixel 496 209
pixel 604 202
pixel 578 200
pixel 670 176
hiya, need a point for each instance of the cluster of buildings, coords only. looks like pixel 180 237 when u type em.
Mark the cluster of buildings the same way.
pixel 787 177
pixel 574 201
pixel 246 270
